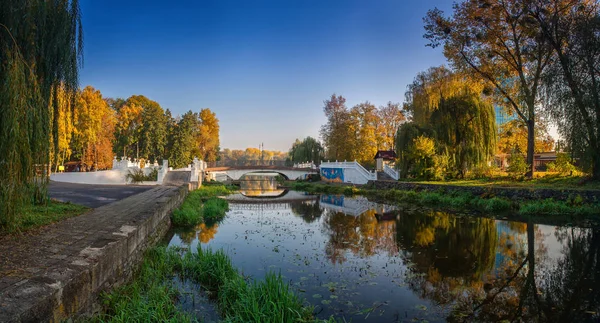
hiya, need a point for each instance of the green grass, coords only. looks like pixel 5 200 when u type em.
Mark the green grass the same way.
pixel 572 209
pixel 540 182
pixel 214 209
pixel 201 205
pixel 34 216
pixel 151 297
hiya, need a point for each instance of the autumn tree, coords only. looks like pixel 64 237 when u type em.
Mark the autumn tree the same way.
pixel 93 129
pixel 512 137
pixel 127 129
pixel 40 50
pixel 61 139
pixel 497 41
pixel 572 28
pixel 365 122
pixel 207 139
pixel 390 119
pixel 337 133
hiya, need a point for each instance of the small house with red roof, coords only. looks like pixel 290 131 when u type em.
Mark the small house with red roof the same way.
pixel 384 157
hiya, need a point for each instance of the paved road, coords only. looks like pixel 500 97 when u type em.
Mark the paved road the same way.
pixel 93 195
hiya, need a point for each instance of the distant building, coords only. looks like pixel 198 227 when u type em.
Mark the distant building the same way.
pixel 502 117
pixel 540 160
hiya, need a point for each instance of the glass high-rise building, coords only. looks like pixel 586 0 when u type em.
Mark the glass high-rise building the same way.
pixel 502 117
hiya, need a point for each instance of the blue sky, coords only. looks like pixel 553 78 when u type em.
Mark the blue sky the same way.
pixel 264 67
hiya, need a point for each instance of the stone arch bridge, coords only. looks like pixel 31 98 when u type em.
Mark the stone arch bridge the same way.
pixel 236 172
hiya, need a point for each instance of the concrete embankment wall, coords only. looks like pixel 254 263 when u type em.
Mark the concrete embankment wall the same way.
pixel 60 272
pixel 510 193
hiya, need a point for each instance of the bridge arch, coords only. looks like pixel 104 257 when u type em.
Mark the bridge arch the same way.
pixel 236 173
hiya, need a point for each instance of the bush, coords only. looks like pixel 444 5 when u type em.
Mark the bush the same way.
pixel 137 175
pixel 562 164
pixel 517 167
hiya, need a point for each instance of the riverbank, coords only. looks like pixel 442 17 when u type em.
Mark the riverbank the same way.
pixel 549 206
pixel 59 272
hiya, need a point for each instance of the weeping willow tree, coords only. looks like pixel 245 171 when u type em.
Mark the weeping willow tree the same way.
pixel 465 127
pixel 449 109
pixel 40 50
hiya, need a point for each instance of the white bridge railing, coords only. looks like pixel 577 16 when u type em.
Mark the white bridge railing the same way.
pixel 307 164
pixel 391 172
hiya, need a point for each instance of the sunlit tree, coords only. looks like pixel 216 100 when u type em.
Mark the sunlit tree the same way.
pixel 498 42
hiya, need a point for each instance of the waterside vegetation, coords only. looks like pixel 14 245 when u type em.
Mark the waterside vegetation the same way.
pixel 202 205
pixel 572 209
pixel 152 296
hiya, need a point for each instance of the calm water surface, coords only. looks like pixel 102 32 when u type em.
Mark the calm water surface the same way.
pixel 369 262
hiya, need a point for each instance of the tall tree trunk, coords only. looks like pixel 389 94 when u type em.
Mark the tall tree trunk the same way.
pixel 530 147
pixel 596 164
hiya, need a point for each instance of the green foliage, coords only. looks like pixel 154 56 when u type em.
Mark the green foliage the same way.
pixel 307 150
pixel 214 209
pixel 448 109
pixel 183 138
pixel 137 175
pixel 562 164
pixel 201 205
pixel 550 207
pixel 517 167
pixel 34 216
pixel 40 50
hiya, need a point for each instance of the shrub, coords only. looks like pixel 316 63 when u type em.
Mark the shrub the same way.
pixel 517 167
pixel 563 164
pixel 137 175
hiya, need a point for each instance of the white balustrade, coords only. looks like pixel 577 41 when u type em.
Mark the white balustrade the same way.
pixel 391 172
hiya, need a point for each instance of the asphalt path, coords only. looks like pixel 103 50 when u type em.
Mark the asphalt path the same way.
pixel 93 195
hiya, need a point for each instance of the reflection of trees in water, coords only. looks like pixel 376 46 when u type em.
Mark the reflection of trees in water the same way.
pixel 204 232
pixel 447 254
pixel 362 235
pixel 309 211
pixel 258 183
pixel 528 287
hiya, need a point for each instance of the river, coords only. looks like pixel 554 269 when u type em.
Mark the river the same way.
pixel 370 262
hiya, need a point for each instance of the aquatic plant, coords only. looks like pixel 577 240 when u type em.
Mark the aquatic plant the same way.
pixel 201 205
